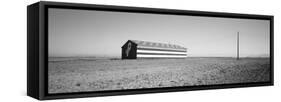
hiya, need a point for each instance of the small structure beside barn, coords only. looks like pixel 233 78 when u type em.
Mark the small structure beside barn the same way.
pixel 135 49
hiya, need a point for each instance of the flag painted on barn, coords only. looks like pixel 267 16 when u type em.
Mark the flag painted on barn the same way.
pixel 135 49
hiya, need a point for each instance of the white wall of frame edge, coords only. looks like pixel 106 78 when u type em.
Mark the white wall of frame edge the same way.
pixel 13 52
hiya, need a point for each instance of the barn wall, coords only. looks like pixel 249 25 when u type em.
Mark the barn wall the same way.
pixel 131 53
pixel 150 52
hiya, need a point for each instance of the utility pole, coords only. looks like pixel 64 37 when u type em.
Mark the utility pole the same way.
pixel 237 45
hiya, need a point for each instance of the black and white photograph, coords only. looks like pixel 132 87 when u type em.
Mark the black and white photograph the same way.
pixel 95 50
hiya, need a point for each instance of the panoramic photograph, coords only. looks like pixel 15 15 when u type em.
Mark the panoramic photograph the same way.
pixel 91 51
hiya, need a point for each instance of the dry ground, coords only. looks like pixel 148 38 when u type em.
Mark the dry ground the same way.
pixel 91 74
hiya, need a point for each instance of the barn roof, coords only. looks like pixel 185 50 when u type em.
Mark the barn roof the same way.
pixel 158 45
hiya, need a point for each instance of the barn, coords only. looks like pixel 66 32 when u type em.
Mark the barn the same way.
pixel 135 49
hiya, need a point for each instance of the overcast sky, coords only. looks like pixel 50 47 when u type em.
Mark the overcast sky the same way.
pixel 102 33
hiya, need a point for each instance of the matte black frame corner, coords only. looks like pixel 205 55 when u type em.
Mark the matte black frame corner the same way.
pixel 37 49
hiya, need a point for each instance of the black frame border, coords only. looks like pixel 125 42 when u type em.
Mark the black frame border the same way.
pixel 43 48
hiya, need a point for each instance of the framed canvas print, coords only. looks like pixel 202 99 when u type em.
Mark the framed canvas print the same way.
pixel 82 50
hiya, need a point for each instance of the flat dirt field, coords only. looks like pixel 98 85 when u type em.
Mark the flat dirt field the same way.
pixel 92 74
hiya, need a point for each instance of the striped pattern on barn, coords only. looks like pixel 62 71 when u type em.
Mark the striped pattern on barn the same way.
pixel 145 49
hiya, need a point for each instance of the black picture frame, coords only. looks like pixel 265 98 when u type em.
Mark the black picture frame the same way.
pixel 37 49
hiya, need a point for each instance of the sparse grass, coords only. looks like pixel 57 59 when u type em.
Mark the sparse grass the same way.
pixel 114 74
